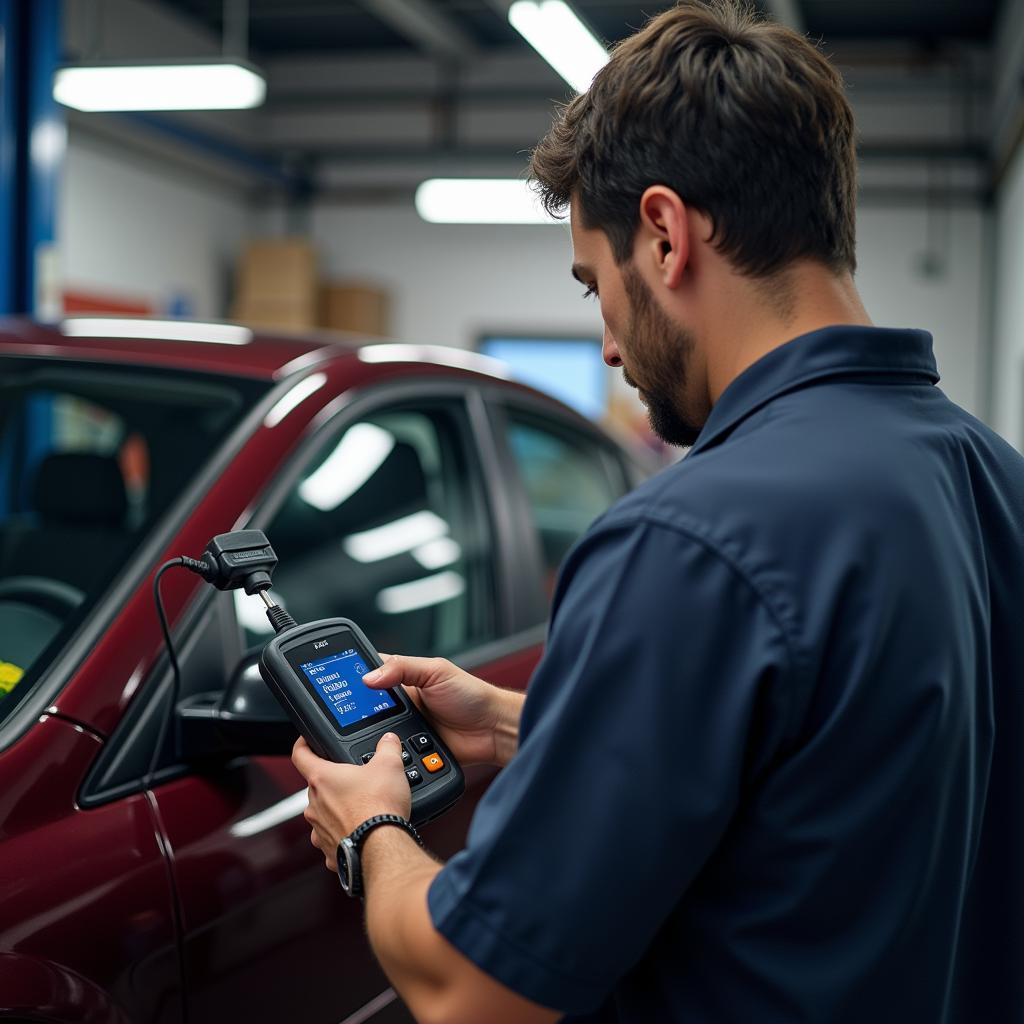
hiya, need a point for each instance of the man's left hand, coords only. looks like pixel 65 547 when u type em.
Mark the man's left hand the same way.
pixel 343 796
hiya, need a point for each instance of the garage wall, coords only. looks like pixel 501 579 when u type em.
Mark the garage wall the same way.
pixel 1008 377
pixel 133 227
pixel 452 282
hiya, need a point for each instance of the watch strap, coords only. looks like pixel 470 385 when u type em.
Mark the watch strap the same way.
pixel 358 835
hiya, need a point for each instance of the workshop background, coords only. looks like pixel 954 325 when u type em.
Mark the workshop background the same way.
pixel 300 213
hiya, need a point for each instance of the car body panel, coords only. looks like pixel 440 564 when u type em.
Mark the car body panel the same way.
pixel 66 873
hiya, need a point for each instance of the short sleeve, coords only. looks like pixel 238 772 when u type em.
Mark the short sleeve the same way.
pixel 661 661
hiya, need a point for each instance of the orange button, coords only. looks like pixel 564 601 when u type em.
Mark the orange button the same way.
pixel 432 762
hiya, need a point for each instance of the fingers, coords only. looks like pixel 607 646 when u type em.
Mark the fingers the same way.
pixel 399 669
pixel 304 759
pixel 388 756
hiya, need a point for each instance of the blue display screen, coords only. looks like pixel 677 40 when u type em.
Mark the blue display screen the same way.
pixel 337 679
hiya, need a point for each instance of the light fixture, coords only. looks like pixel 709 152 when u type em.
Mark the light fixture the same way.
pixel 227 82
pixel 431 590
pixel 396 537
pixel 480 201
pixel 434 554
pixel 155 330
pixel 182 85
pixel 357 456
pixel 554 31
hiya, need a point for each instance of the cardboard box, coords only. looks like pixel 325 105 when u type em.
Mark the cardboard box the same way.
pixel 273 315
pixel 354 306
pixel 279 270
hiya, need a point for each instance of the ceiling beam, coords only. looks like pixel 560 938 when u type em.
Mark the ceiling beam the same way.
pixel 426 26
pixel 786 12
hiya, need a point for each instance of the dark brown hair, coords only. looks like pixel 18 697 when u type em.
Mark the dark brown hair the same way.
pixel 745 119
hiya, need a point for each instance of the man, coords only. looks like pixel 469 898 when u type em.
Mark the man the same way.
pixel 769 768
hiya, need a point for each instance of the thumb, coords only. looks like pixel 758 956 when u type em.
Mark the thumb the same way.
pixel 389 749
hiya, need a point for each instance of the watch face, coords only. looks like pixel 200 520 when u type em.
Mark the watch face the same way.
pixel 348 866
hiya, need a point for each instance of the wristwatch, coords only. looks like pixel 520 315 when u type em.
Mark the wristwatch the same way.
pixel 350 872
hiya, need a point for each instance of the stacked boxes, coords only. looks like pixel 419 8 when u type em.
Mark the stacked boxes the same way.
pixel 277 285
pixel 278 288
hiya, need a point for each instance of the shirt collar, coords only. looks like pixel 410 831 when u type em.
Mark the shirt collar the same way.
pixel 845 351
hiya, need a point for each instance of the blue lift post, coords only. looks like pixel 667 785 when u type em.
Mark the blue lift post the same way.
pixel 32 144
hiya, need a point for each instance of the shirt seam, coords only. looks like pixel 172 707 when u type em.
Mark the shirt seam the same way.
pixel 698 535
pixel 732 420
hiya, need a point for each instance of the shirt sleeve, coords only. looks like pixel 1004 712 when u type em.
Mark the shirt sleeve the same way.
pixel 662 669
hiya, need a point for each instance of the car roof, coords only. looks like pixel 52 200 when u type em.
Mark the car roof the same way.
pixel 215 347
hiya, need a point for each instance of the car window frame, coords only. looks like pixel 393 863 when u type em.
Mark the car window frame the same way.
pixel 621 473
pixel 40 700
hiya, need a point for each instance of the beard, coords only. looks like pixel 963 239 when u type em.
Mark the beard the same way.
pixel 660 355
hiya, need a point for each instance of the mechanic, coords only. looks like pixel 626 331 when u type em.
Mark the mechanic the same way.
pixel 770 765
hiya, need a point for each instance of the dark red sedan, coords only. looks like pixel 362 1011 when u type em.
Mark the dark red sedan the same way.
pixel 412 489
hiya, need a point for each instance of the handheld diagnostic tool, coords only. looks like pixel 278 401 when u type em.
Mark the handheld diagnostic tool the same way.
pixel 315 671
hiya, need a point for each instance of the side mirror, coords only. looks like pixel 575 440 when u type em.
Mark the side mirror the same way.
pixel 244 718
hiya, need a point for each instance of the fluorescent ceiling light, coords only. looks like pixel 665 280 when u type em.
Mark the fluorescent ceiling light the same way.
pixel 555 32
pixel 395 537
pixel 185 85
pixel 155 330
pixel 407 597
pixel 292 397
pixel 358 455
pixel 480 201
pixel 435 553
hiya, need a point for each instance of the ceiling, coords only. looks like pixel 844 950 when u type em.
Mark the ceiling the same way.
pixel 372 96
pixel 280 26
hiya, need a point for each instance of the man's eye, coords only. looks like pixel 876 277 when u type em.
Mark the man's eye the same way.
pixel 590 292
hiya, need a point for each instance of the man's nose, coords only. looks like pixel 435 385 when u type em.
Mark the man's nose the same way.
pixel 609 350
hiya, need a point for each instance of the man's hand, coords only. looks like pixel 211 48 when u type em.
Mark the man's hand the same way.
pixel 478 722
pixel 343 796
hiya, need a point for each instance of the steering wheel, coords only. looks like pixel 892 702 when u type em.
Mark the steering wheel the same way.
pixel 55 597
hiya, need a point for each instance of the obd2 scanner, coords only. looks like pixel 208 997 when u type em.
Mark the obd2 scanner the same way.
pixel 315 671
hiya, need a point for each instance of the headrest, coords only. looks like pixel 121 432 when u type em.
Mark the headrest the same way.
pixel 80 489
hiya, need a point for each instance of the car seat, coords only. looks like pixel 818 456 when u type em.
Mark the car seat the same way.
pixel 77 533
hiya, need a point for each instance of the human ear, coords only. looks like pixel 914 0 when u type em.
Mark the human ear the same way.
pixel 664 238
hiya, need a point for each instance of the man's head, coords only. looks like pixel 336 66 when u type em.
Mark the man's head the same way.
pixel 710 156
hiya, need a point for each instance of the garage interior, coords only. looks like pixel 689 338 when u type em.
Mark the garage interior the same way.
pixel 153 211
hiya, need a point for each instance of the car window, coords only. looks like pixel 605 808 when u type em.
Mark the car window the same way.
pixel 90 456
pixel 567 481
pixel 387 527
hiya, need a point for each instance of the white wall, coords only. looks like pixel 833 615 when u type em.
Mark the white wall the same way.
pixel 1008 394
pixel 451 283
pixel 132 226
pixel 891 249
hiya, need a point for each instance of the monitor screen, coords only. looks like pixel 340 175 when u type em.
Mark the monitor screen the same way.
pixel 570 369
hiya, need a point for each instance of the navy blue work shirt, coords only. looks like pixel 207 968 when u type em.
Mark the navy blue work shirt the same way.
pixel 770 765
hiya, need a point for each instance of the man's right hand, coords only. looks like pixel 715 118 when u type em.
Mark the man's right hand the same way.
pixel 478 722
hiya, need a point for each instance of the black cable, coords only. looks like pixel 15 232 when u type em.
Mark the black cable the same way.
pixel 280 619
pixel 175 670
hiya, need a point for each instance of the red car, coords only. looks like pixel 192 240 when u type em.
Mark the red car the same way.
pixel 407 488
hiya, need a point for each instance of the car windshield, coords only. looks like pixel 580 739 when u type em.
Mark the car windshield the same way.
pixel 90 457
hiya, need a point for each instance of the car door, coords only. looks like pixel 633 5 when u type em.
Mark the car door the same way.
pixel 568 472
pixel 388 518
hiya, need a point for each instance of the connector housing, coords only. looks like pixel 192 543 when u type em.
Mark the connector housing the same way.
pixel 243 559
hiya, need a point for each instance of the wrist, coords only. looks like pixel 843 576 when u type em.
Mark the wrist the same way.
pixel 508 711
